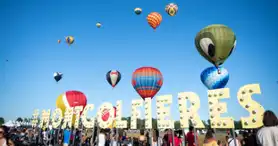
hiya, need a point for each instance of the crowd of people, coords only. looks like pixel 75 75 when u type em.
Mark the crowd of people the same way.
pixel 264 136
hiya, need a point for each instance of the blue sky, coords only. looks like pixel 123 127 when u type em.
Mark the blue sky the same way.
pixel 30 30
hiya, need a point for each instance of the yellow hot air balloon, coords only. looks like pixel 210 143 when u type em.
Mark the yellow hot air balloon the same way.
pixel 69 40
pixel 171 9
pixel 98 25
pixel 59 41
pixel 71 99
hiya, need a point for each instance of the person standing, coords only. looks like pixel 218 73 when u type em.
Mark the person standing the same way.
pixel 165 138
pixel 190 136
pixel 114 140
pixel 177 140
pixel 142 138
pixel 155 140
pixel 3 134
pixel 44 135
pixel 268 135
pixel 101 138
pixel 67 133
pixel 209 139
pixel 231 141
pixel 108 140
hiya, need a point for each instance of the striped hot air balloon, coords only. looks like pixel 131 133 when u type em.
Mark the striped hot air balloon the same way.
pixel 147 81
pixel 154 19
pixel 214 80
pixel 171 9
pixel 113 77
pixel 71 99
pixel 69 40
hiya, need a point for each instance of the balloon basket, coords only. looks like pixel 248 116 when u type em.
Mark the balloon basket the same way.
pixel 219 71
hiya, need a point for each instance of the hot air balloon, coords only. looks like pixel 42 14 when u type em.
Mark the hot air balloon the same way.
pixel 138 11
pixel 71 99
pixel 59 41
pixel 69 40
pixel 147 81
pixel 171 9
pixel 212 79
pixel 106 114
pixel 98 25
pixel 113 77
pixel 58 76
pixel 154 19
pixel 216 43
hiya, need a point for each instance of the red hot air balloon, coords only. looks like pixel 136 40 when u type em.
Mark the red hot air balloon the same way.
pixel 147 81
pixel 71 99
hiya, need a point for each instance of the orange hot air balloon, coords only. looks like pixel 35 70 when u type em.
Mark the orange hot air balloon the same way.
pixel 154 19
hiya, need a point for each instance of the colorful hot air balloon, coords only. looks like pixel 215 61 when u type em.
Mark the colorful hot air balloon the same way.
pixel 154 19
pixel 147 81
pixel 212 79
pixel 216 43
pixel 69 40
pixel 138 11
pixel 106 114
pixel 71 99
pixel 58 76
pixel 98 25
pixel 59 41
pixel 171 9
pixel 113 77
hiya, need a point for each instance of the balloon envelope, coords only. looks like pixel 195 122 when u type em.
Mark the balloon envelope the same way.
pixel 138 11
pixel 171 9
pixel 113 77
pixel 147 81
pixel 214 80
pixel 98 25
pixel 215 43
pixel 58 76
pixel 71 99
pixel 154 19
pixel 69 40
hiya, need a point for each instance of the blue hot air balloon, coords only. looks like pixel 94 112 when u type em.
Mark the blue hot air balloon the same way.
pixel 213 79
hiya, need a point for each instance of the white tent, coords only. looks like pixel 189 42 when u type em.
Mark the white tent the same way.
pixel 9 124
